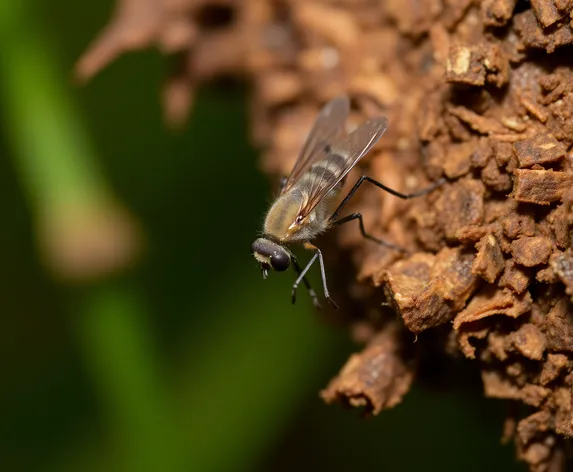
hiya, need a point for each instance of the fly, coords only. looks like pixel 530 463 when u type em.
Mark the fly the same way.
pixel 307 204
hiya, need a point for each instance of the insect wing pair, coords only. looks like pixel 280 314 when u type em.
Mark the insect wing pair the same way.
pixel 334 153
pixel 304 207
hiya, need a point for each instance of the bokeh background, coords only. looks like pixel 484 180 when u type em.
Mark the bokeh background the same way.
pixel 186 360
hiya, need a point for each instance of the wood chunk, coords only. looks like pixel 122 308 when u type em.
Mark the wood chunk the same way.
pixel 331 23
pixel 217 53
pixel 496 344
pixel 454 12
pixel 546 276
pixel 534 36
pixel 495 178
pixel 530 251
pixel 540 186
pixel 510 137
pixel 565 5
pixel 133 27
pixel 429 229
pixel 564 413
pixel 488 302
pixel 375 379
pixel 540 149
pixel 378 86
pixel 559 327
pixel 562 265
pixel 559 220
pixel 555 86
pixel 553 367
pixel 496 66
pixel 453 277
pixel 472 234
pixel 514 124
pixel 491 301
pixel 435 156
pixel 481 124
pixel 430 120
pixel 528 341
pixel 423 309
pixel 456 128
pixel 422 304
pixel 415 17
pixel 460 204
pixel 465 65
pixel 538 456
pixel 457 159
pixel 503 153
pixel 278 87
pixel 418 266
pixel 496 210
pixel 405 279
pixel 546 11
pixel 374 265
pixel 481 153
pixel 497 12
pixel 514 277
pixel 516 225
pixel 516 370
pixel 533 107
pixel 496 385
pixel 177 96
pixel 534 395
pixel 489 261
pixel 531 426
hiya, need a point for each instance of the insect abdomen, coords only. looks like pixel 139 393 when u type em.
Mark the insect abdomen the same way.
pixel 329 168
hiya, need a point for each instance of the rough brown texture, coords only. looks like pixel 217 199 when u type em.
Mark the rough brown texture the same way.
pixel 540 186
pixel 541 149
pixel 376 378
pixel 530 251
pixel 480 92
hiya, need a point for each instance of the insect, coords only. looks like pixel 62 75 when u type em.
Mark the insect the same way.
pixel 307 204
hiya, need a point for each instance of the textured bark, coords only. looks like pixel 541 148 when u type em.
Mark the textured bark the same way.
pixel 473 91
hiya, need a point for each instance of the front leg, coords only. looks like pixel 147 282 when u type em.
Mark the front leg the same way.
pixel 317 255
pixel 301 276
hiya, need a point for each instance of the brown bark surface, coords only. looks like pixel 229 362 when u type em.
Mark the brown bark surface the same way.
pixel 480 92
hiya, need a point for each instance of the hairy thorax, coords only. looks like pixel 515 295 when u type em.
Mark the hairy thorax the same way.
pixel 285 223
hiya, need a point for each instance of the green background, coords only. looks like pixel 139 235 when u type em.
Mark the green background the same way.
pixel 189 362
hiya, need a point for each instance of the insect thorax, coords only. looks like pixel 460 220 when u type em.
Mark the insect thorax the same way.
pixel 280 222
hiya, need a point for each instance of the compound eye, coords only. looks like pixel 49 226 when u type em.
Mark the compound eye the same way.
pixel 280 261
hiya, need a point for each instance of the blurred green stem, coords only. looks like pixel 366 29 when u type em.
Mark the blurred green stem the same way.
pixel 57 168
pixel 118 349
pixel 54 157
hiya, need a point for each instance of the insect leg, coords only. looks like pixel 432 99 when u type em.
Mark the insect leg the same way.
pixel 311 292
pixel 358 216
pixel 301 276
pixel 318 253
pixel 404 196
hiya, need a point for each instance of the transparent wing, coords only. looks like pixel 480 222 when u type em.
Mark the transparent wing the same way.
pixel 328 126
pixel 342 157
